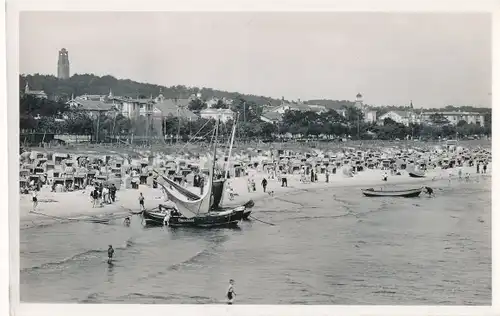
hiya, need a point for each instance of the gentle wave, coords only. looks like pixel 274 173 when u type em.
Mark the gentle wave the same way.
pixel 82 256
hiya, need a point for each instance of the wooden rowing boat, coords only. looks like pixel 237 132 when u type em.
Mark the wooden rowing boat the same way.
pixel 393 193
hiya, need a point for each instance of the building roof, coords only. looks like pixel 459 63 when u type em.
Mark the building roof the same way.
pixel 299 107
pixel 452 113
pixel 36 92
pixel 217 111
pixel 273 116
pixel 170 107
pixel 402 114
pixel 94 97
pixel 91 105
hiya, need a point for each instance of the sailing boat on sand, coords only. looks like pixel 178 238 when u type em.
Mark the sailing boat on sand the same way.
pixel 205 210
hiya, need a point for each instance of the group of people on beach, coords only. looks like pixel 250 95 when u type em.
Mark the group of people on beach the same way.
pixel 103 194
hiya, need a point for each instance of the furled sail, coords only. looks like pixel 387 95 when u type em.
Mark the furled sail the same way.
pixel 188 206
pixel 217 193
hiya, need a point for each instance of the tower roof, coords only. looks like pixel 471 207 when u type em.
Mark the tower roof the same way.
pixel 359 95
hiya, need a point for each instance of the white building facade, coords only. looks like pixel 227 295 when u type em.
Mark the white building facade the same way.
pixel 223 114
pixel 455 117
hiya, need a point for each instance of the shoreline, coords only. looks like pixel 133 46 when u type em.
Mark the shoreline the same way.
pixel 66 207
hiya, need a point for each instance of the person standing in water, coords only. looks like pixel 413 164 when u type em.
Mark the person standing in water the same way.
pixel 111 251
pixel 141 202
pixel 230 292
pixel 34 200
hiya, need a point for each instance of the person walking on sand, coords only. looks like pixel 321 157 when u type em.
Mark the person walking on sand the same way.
pixel 230 294
pixel 105 194
pixel 264 184
pixel 111 252
pixel 141 202
pixel 112 192
pixel 327 176
pixel 34 199
pixel 95 197
pixel 485 166
pixel 284 182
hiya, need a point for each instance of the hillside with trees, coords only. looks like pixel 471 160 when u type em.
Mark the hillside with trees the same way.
pixel 53 115
pixel 80 84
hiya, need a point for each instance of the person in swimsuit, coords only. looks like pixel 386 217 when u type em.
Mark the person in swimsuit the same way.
pixel 35 200
pixel 111 251
pixel 230 292
pixel 141 202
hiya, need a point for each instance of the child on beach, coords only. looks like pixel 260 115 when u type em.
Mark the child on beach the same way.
pixel 111 251
pixel 230 294
pixel 141 202
pixel 35 200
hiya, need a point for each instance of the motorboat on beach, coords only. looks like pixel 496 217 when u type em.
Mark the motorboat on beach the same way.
pixel 393 193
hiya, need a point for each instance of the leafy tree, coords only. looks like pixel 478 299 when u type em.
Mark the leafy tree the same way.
pixel 353 114
pixel 220 105
pixel 438 118
pixel 196 105
pixel 389 121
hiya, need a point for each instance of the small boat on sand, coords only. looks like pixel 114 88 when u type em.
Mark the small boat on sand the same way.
pixel 417 174
pixel 399 193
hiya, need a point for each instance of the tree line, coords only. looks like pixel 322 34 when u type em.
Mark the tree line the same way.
pixel 51 116
pixel 54 116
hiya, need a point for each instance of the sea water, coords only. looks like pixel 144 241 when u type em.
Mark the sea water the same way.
pixel 330 246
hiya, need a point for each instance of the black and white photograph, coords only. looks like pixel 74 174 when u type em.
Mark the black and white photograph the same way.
pixel 254 158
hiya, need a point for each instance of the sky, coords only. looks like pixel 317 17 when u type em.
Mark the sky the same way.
pixel 431 59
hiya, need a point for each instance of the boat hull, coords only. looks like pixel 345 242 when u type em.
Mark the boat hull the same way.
pixel 246 214
pixel 416 175
pixel 153 218
pixel 402 193
pixel 219 218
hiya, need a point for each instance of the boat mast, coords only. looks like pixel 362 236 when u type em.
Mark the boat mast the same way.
pixel 226 168
pixel 215 146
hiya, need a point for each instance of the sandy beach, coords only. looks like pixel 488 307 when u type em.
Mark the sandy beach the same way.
pixel 66 206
